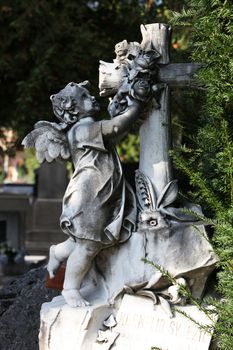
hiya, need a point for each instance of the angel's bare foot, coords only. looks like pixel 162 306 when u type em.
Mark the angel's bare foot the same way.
pixel 53 263
pixel 74 298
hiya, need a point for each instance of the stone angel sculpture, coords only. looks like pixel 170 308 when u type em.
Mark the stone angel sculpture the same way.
pixel 99 207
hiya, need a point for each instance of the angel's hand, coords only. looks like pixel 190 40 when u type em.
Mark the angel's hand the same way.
pixel 131 101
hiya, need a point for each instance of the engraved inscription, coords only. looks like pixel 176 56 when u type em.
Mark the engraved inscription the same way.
pixel 161 325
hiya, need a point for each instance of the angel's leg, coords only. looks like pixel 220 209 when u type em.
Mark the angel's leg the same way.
pixel 58 253
pixel 78 264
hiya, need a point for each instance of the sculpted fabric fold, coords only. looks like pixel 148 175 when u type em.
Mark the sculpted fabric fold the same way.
pixel 94 205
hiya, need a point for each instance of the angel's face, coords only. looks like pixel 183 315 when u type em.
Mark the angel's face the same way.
pixel 87 104
pixel 74 102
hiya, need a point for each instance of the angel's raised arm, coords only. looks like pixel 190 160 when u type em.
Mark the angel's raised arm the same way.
pixel 114 128
pixel 49 141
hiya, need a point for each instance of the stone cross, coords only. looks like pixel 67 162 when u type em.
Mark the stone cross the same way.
pixel 155 132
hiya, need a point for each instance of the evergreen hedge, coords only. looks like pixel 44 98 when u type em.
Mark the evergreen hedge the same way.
pixel 209 163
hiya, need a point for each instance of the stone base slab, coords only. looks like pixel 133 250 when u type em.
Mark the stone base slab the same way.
pixel 140 325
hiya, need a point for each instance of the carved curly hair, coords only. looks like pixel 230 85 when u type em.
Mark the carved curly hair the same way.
pixel 65 107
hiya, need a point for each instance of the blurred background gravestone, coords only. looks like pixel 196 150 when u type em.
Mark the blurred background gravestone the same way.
pixel 13 211
pixel 43 228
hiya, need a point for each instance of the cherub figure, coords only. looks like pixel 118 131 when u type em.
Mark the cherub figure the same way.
pixel 98 207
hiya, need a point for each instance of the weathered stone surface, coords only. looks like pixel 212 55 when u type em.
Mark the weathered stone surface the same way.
pixel 63 327
pixel 183 252
pixel 20 303
pixel 139 325
pixel 142 326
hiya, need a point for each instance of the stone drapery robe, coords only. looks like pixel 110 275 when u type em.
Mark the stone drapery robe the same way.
pixel 98 204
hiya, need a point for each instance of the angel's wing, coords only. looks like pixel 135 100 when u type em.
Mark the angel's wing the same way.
pixel 49 141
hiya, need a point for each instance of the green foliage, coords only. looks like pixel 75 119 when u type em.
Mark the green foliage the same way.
pixel 8 251
pixel 46 44
pixel 31 164
pixel 208 162
pixel 182 18
pixel 184 291
pixel 128 149
pixel 2 175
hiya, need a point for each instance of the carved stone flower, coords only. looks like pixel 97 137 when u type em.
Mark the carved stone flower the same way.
pixel 65 106
pixel 121 49
pixel 69 104
pixel 146 59
pixel 140 89
pixel 117 106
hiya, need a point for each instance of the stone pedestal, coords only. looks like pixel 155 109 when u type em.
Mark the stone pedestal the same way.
pixel 143 325
pixel 139 325
pixel 66 328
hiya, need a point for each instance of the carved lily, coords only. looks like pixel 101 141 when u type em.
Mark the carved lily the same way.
pixel 157 212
